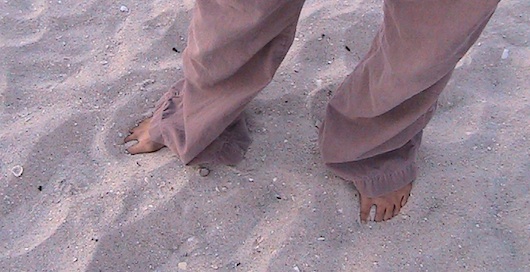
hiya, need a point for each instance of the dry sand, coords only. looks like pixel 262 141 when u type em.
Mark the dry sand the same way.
pixel 76 75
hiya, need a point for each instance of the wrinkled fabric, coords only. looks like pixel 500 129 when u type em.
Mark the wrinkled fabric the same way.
pixel 374 121
pixel 234 49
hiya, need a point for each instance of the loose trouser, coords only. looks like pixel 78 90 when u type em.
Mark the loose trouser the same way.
pixel 374 121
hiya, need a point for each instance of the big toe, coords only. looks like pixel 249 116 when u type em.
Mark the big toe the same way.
pixel 144 147
pixel 135 149
pixel 366 205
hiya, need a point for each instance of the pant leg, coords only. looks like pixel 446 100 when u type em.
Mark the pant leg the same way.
pixel 373 124
pixel 234 49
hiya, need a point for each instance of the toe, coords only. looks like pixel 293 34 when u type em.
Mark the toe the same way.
pixel 405 192
pixel 145 122
pixel 366 205
pixel 397 209
pixel 379 213
pixel 133 129
pixel 129 138
pixel 389 213
pixel 404 199
pixel 135 149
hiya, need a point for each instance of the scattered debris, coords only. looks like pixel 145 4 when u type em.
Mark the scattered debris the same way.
pixel 17 171
pixel 505 54
pixel 183 266
pixel 204 172
pixel 259 239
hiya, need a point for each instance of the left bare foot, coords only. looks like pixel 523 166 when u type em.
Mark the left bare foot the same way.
pixel 141 134
pixel 387 206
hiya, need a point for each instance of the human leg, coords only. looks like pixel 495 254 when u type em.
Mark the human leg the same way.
pixel 233 52
pixel 373 123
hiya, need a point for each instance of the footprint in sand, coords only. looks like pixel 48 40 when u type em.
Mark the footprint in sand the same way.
pixel 316 102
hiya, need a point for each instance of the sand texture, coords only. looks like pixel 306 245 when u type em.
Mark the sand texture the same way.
pixel 76 75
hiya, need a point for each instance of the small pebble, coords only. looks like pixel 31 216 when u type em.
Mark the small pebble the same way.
pixel 321 238
pixel 203 172
pixel 124 9
pixel 183 266
pixel 505 54
pixel 17 171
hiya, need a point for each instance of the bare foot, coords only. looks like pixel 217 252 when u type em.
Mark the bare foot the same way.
pixel 141 134
pixel 387 206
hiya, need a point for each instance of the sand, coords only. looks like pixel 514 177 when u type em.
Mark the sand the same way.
pixel 76 75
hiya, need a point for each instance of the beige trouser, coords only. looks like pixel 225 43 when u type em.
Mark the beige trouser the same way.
pixel 373 123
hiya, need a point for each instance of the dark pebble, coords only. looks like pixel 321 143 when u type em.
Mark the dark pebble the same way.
pixel 203 172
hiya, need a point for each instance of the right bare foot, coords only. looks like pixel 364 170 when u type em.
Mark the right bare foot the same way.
pixel 141 134
pixel 387 206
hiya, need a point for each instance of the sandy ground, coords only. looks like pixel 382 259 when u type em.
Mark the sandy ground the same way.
pixel 76 75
